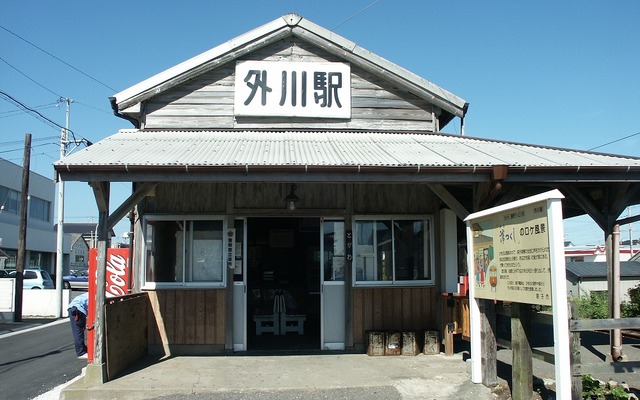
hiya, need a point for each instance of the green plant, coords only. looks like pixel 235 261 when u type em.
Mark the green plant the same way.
pixel 594 306
pixel 592 389
pixel 631 309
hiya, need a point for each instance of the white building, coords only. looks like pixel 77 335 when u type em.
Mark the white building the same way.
pixel 41 235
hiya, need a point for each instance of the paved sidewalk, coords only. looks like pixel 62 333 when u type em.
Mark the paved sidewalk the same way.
pixel 344 376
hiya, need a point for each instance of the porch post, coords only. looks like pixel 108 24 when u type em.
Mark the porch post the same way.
pixel 96 372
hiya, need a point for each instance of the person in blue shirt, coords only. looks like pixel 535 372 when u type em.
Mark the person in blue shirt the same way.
pixel 78 316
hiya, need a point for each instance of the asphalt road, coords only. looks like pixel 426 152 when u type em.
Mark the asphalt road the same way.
pixel 34 362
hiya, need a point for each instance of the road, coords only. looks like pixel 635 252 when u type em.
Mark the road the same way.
pixel 34 362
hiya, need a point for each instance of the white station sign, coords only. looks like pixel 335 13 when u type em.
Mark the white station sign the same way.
pixel 292 89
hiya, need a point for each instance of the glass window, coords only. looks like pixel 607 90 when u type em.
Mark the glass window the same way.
pixel 333 250
pixel 40 209
pixel 392 251
pixel 184 252
pixel 9 200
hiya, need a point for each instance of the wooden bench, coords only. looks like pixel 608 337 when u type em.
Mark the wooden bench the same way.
pixel 268 323
pixel 290 322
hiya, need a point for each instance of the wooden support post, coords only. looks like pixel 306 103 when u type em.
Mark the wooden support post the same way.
pixel 489 346
pixel 574 355
pixel 522 364
pixel 449 326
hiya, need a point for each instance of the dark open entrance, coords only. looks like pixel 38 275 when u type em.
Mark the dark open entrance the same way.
pixel 283 283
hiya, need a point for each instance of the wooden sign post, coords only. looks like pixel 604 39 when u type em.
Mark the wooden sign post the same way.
pixel 516 254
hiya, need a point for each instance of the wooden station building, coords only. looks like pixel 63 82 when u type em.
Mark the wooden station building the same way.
pixel 290 170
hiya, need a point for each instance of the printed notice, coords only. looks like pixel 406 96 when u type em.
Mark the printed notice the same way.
pixel 511 256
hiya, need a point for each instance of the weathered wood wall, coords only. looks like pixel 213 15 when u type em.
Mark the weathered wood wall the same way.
pixel 126 324
pixel 210 198
pixel 206 102
pixel 187 321
pixel 392 309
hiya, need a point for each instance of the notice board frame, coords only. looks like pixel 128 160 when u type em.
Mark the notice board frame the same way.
pixel 553 201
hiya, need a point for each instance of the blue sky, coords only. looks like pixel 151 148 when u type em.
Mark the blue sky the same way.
pixel 563 74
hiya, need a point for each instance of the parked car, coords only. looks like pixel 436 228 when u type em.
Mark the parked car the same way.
pixel 36 279
pixel 76 280
pixel 6 273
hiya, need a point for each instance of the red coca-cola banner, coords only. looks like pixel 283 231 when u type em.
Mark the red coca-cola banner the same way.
pixel 116 284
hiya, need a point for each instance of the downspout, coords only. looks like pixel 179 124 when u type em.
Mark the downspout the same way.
pixel 117 113
pixel 465 108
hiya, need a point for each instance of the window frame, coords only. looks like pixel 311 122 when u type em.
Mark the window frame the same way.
pixel 429 245
pixel 187 237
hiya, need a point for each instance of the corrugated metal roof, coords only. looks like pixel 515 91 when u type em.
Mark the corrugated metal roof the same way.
pixel 593 269
pixel 328 148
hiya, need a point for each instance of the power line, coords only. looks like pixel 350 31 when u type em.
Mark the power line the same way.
pixel 614 141
pixel 29 78
pixel 12 113
pixel 39 116
pixel 356 14
pixel 62 61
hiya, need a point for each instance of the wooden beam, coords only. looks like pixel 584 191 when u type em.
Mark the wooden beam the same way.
pixel 124 208
pixel 101 194
pixel 580 325
pixel 449 200
pixel 619 198
pixel 522 361
pixel 587 204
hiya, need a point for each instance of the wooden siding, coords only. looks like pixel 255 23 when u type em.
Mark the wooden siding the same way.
pixel 187 317
pixel 206 102
pixel 394 199
pixel 188 198
pixel 127 333
pixel 210 198
pixel 392 309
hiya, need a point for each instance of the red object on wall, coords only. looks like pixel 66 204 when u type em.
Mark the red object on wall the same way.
pixel 116 284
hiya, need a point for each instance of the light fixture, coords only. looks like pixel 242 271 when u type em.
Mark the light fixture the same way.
pixel 291 199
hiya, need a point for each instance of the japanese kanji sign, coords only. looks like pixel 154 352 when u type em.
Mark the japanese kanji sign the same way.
pixel 292 89
pixel 511 259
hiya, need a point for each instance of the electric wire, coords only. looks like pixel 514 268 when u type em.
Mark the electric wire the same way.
pixel 614 141
pixel 37 115
pixel 356 14
pixel 31 79
pixel 60 60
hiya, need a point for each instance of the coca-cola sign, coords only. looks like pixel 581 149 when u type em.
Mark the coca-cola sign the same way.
pixel 116 283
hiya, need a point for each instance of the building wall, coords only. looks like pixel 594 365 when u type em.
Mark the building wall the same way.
pixel 206 102
pixel 41 237
pixel 211 198
pixel 587 286
pixel 392 309
pixel 196 318
pixel 187 321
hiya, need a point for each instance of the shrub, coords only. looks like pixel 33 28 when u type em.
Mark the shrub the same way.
pixel 594 306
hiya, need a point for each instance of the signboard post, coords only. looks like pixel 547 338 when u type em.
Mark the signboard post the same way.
pixel 516 254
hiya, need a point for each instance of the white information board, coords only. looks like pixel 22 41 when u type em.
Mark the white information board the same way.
pixel 511 218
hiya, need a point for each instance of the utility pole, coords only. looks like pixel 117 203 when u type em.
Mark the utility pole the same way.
pixel 64 140
pixel 22 230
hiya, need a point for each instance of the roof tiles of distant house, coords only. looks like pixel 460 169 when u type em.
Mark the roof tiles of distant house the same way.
pixel 592 269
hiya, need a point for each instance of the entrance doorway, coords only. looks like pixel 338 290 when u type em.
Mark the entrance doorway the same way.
pixel 283 284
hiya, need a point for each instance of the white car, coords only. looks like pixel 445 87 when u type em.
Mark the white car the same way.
pixel 35 279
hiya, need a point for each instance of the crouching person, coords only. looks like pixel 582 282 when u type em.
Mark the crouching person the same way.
pixel 78 317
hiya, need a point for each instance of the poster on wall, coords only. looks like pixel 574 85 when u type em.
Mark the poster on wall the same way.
pixel 511 260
